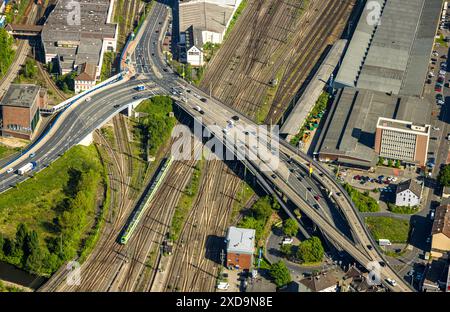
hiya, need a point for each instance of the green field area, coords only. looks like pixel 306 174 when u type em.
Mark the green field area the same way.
pixel 57 209
pixel 395 230
pixel 6 151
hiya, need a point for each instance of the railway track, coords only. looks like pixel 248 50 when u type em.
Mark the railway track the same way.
pixel 50 83
pixel 196 257
pixel 326 31
pixel 271 44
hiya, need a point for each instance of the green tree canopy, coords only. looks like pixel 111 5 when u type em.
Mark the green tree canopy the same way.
pixel 6 51
pixel 444 176
pixel 280 273
pixel 290 227
pixel 310 250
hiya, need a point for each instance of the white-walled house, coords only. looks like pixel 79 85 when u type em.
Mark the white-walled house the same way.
pixel 408 193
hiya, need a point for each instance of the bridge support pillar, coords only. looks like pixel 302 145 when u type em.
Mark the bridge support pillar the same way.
pixel 87 140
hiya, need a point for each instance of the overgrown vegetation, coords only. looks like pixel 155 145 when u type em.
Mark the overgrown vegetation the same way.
pixel 50 218
pixel 6 288
pixel 316 112
pixel 186 201
pixel 28 72
pixel 395 230
pixel 260 212
pixel 156 124
pixel 107 66
pixel 6 151
pixel 310 251
pixel 6 51
pixel 280 274
pixel 290 227
pixel 242 197
pixel 66 83
pixel 403 209
pixel 143 16
pixel 235 17
pixel 362 201
pixel 444 176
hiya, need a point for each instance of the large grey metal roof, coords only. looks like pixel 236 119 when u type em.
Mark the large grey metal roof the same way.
pixel 349 132
pixel 392 57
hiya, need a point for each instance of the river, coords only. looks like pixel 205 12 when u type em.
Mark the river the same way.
pixel 14 275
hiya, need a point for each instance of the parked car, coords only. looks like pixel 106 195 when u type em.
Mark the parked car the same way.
pixel 316 197
pixel 438 88
pixel 287 241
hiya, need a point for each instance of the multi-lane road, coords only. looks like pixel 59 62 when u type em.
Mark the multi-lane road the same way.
pixel 80 120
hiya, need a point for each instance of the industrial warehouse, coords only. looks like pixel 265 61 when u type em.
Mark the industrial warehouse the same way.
pixel 382 74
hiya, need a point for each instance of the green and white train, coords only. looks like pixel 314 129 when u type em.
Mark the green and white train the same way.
pixel 139 211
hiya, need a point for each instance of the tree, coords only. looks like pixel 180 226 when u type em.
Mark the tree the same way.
pixel 21 235
pixel 286 249
pixel 262 209
pixel 444 176
pixel 29 69
pixel 290 227
pixel 380 161
pixel 310 250
pixel 280 273
pixel 397 163
pixel 252 223
pixel 390 162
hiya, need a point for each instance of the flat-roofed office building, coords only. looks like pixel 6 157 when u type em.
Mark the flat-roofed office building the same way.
pixel 402 140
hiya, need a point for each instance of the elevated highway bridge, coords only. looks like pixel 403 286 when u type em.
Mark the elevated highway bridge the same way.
pixel 78 120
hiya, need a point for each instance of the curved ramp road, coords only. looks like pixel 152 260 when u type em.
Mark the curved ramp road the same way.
pixel 81 120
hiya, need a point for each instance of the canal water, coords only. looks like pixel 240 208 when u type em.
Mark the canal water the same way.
pixel 14 275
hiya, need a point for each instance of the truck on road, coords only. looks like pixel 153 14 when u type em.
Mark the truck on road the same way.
pixel 26 168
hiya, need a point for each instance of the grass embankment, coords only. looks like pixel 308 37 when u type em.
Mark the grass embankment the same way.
pixel 362 201
pixel 53 217
pixel 235 17
pixel 395 230
pixel 6 151
pixel 186 201
pixel 7 53
pixel 313 117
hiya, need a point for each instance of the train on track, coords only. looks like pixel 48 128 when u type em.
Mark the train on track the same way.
pixel 142 207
